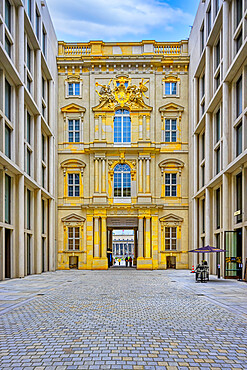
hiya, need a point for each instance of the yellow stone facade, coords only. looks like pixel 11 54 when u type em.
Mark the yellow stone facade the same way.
pixel 98 81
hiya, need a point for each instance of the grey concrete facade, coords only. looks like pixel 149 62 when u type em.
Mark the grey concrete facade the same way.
pixel 218 131
pixel 28 49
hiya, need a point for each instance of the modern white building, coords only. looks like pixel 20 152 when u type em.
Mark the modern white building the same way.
pixel 28 75
pixel 218 133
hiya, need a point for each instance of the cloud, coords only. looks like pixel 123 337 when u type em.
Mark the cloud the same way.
pixel 111 20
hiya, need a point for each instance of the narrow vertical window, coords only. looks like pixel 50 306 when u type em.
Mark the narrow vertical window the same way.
pixel 74 131
pixel 43 216
pixel 217 54
pixel 170 184
pixel 239 11
pixel 171 88
pixel 28 58
pixel 170 130
pixel 73 185
pixel 239 196
pixel 8 46
pixel 239 96
pixel 28 129
pixel 73 238
pixel 28 209
pixel 170 238
pixel 44 42
pixel 122 126
pixel 122 181
pixel 203 146
pixel 8 14
pixel 209 19
pixel 37 24
pixel 202 38
pixel 217 159
pixel 29 9
pixel 7 100
pixel 7 199
pixel 217 126
pixel 7 141
pixel 203 216
pixel 239 139
pixel 28 162
pixel 217 196
pixel 239 41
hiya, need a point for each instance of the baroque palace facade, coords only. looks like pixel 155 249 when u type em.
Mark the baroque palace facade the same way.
pixel 123 152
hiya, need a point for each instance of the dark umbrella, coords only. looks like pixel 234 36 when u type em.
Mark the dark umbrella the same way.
pixel 207 249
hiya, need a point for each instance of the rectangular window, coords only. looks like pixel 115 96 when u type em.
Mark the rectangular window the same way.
pixel 217 198
pixel 7 141
pixel 239 41
pixel 74 89
pixel 73 185
pixel 73 238
pixel 217 54
pixel 28 209
pixel 170 130
pixel 239 196
pixel 7 199
pixel 43 88
pixel 217 6
pixel 8 14
pixel 203 146
pixel 28 162
pixel 44 42
pixel 43 176
pixel 29 84
pixel 43 147
pixel 8 46
pixel 28 129
pixel 209 19
pixel 202 86
pixel 7 100
pixel 170 184
pixel 74 131
pixel 239 11
pixel 217 126
pixel 217 81
pixel 217 160
pixel 239 139
pixel 170 238
pixel 239 96
pixel 43 216
pixel 28 57
pixel 202 38
pixel 203 174
pixel 29 9
pixel 171 88
pixel 203 216
pixel 37 24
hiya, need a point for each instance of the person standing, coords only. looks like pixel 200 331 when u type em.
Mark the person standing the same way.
pixel 130 262
pixel 126 261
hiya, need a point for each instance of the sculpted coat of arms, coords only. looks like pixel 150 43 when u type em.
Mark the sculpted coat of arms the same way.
pixel 123 92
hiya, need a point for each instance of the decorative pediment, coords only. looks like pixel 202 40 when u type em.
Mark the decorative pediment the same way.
pixel 171 77
pixel 122 95
pixel 171 219
pixel 73 108
pixel 171 162
pixel 70 163
pixel 171 107
pixel 73 218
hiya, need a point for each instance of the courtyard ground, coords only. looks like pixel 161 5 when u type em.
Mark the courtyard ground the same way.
pixel 122 319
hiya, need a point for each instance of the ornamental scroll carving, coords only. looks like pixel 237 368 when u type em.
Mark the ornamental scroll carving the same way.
pixel 122 160
pixel 123 93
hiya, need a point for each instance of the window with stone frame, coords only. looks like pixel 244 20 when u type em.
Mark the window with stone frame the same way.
pixel 73 238
pixel 170 238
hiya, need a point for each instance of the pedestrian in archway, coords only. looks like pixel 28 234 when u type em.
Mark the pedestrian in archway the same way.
pixel 126 261
pixel 130 262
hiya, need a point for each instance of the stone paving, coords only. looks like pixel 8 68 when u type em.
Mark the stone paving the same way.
pixel 122 319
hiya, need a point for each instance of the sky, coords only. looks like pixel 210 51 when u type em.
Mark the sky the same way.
pixel 122 20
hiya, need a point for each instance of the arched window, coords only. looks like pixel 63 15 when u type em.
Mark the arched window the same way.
pixel 122 181
pixel 122 126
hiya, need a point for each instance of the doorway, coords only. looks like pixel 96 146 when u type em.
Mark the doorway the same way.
pixel 73 262
pixel 123 248
pixel 28 254
pixel 7 253
pixel 171 262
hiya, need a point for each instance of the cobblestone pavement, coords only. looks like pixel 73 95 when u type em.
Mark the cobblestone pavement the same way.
pixel 122 319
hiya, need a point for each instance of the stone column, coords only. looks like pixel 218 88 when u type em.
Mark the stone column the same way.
pixel 96 237
pixel 195 228
pixel 96 175
pixel 140 237
pixel 208 149
pixel 96 128
pixel 147 253
pixel 135 246
pixel 103 237
pixel 103 188
pixel 208 217
pixel 140 176
pixel 144 129
pixel 195 163
pixel 38 231
pixel 148 175
pixel 147 127
pixel 100 174
pixel 196 98
pixel 51 236
pixel 140 128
